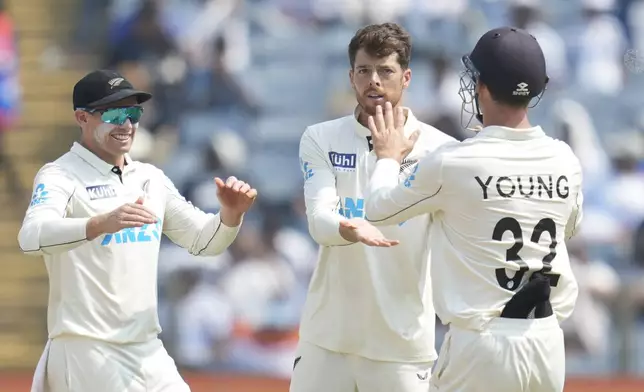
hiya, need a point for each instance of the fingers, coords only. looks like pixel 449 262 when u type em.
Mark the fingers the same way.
pixel 236 186
pixel 252 193
pixel 380 242
pixel 132 223
pixel 231 181
pixel 380 120
pixel 414 137
pixel 399 122
pixel 244 187
pixel 138 213
pixel 371 123
pixel 389 116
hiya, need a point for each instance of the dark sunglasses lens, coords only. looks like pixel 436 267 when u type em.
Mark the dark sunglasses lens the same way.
pixel 118 116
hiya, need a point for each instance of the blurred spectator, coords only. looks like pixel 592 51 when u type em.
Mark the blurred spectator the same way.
pixel 598 287
pixel 574 125
pixel 623 195
pixel 203 320
pixel 638 247
pixel 265 294
pixel 600 49
pixel 262 278
pixel 10 94
pixel 146 54
pixel 528 15
pixel 216 87
pixel 444 111
pixel 358 12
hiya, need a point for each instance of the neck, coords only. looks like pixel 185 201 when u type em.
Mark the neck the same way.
pixel 511 118
pixel 363 118
pixel 116 160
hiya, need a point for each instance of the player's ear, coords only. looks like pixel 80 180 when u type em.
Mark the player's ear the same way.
pixel 81 117
pixel 406 77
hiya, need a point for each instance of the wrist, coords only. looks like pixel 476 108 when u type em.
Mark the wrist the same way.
pixel 387 155
pixel 93 227
pixel 348 234
pixel 230 218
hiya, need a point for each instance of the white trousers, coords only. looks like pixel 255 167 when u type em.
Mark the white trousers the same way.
pixel 510 355
pixel 321 370
pixel 76 364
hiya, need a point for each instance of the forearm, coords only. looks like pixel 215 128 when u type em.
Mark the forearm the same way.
pixel 324 227
pixel 52 236
pixel 389 202
pixel 230 218
pixel 209 236
pixel 379 208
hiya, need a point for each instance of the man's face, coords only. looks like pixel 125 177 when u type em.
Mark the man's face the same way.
pixel 111 139
pixel 378 80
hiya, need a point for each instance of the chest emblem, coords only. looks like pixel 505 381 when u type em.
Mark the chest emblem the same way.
pixel 342 161
pixel 97 192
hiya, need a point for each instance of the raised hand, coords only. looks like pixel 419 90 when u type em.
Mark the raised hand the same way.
pixel 236 197
pixel 388 133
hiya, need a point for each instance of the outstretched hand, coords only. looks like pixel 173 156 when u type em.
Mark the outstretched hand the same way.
pixel 359 230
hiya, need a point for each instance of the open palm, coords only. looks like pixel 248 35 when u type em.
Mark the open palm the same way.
pixel 366 233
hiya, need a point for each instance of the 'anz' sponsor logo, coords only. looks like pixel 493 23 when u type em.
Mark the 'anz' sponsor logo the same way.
pixel 342 161
pixel 97 192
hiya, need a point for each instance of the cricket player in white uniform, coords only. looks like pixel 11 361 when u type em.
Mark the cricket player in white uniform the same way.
pixel 97 217
pixel 368 321
pixel 503 203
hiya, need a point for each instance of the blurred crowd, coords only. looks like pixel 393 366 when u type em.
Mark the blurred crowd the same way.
pixel 237 81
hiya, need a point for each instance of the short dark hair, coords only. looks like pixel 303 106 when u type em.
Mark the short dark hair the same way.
pixel 514 102
pixel 381 40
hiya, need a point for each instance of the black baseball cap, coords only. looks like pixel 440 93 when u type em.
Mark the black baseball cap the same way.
pixel 103 87
pixel 510 62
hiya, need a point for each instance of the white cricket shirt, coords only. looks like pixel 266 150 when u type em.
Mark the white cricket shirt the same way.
pixel 106 289
pixel 503 201
pixel 371 302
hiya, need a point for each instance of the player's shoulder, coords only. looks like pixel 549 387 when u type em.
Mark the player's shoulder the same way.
pixel 432 136
pixel 61 168
pixel 58 173
pixel 146 169
pixel 329 129
pixel 563 149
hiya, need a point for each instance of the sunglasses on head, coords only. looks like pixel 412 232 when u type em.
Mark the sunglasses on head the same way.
pixel 118 116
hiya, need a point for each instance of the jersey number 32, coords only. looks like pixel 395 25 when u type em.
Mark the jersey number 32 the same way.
pixel 546 225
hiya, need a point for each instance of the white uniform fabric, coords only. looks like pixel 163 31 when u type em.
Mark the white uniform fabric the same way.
pixel 78 364
pixel 374 303
pixel 503 203
pixel 321 370
pixel 509 355
pixel 106 289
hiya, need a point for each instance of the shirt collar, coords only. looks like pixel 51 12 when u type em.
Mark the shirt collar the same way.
pixel 411 125
pixel 511 133
pixel 91 158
